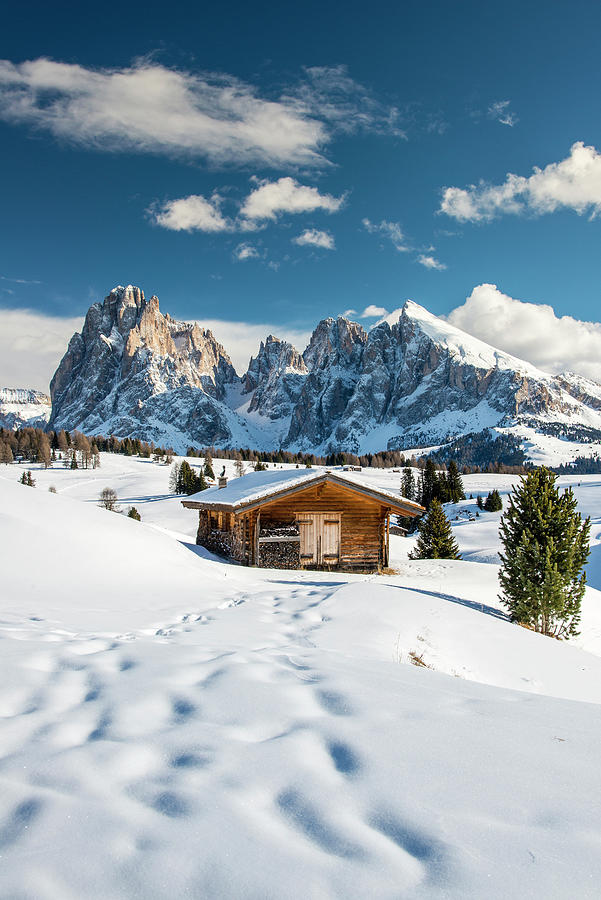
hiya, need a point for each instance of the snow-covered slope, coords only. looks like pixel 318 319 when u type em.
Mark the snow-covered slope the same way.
pixel 210 730
pixel 21 408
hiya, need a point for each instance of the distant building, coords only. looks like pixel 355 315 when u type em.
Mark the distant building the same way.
pixel 294 519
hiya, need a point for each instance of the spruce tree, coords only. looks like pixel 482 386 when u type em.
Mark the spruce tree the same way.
pixel 134 514
pixel 454 483
pixel 435 539
pixel 493 502
pixel 429 484
pixel 200 483
pixel 545 547
pixel 408 484
pixel 208 466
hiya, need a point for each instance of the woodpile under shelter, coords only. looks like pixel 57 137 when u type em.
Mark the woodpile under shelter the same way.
pixel 300 518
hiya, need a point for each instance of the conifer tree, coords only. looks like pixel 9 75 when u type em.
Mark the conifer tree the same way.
pixel 408 484
pixel 429 484
pixel 454 483
pixel 493 502
pixel 435 539
pixel 479 502
pixel 208 466
pixel 545 547
pixel 134 514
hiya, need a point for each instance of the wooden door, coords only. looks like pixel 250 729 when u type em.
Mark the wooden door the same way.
pixel 330 538
pixel 319 538
pixel 308 539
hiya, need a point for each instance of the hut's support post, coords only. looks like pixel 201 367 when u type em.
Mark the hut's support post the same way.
pixel 256 540
pixel 387 555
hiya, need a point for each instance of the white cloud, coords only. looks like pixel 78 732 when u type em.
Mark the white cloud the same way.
pixel 391 230
pixel 430 262
pixel 31 347
pixel 245 251
pixel 329 93
pixel 501 113
pixel 372 311
pixel 193 213
pixel 311 237
pixel 265 202
pixel 349 312
pixel 148 107
pixel 574 183
pixel 18 280
pixel 241 339
pixel 531 331
pixel 286 195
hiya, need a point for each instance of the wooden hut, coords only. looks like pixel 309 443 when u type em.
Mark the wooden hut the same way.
pixel 303 518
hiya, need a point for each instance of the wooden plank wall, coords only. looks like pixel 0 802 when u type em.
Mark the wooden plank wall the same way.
pixel 363 530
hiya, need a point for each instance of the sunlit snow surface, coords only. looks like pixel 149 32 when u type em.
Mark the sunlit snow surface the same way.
pixel 171 725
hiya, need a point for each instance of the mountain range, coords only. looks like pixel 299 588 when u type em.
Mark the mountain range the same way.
pixel 20 407
pixel 412 380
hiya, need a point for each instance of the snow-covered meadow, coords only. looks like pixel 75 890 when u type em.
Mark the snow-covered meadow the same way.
pixel 173 725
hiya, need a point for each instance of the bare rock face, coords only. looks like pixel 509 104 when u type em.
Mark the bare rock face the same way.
pixel 133 371
pixel 333 359
pixel 275 379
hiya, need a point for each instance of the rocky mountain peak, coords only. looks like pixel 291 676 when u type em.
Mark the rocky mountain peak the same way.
pixel 335 342
pixel 275 357
pixel 130 359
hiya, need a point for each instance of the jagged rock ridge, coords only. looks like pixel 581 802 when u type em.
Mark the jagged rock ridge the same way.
pixel 412 379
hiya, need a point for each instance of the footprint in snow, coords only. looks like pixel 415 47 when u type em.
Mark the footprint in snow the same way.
pixel 344 758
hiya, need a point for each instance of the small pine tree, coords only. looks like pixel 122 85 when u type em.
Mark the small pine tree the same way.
pixel 493 502
pixel 208 466
pixel 260 466
pixel 454 483
pixel 408 484
pixel 429 484
pixel 479 502
pixel 200 483
pixel 435 539
pixel 28 479
pixel 545 547
pixel 134 514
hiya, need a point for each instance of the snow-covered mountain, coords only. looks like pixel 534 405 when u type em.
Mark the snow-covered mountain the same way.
pixel 20 408
pixel 412 379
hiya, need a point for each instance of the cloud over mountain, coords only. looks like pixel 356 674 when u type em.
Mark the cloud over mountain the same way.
pixel 531 331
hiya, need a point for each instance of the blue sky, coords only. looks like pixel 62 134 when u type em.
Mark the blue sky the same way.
pixel 268 164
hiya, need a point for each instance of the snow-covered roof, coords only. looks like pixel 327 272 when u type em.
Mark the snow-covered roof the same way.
pixel 257 486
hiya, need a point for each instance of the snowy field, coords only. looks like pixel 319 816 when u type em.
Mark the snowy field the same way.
pixel 172 725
